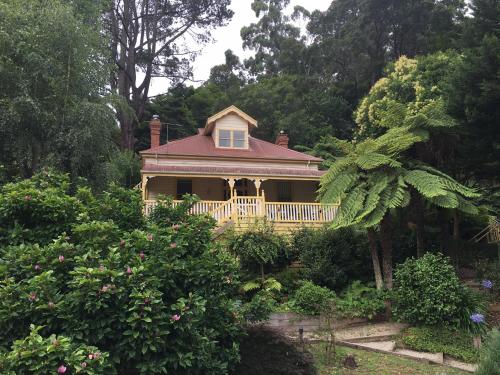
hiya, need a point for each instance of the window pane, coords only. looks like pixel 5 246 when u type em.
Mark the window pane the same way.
pixel 184 187
pixel 224 142
pixel 224 138
pixel 238 138
pixel 239 143
pixel 284 191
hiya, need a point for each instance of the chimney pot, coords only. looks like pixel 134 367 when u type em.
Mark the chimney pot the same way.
pixel 155 131
pixel 282 139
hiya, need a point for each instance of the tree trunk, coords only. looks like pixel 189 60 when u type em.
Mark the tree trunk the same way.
pixel 372 243
pixel 386 244
pixel 419 221
pixel 445 232
pixel 456 238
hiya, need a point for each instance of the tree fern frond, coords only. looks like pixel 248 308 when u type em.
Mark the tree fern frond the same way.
pixel 333 191
pixel 373 197
pixel 397 196
pixel 451 184
pixel 397 140
pixel 427 184
pixel 350 207
pixel 340 165
pixel 374 160
pixel 449 200
pixel 466 206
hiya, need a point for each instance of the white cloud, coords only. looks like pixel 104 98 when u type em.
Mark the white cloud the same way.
pixel 228 37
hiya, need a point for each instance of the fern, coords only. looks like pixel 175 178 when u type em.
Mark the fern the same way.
pixel 334 191
pixel 427 184
pixel 373 197
pixel 449 200
pixel 374 160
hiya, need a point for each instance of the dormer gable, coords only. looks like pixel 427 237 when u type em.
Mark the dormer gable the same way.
pixel 230 128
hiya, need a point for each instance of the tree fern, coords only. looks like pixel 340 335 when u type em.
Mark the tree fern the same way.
pixel 374 160
pixel 427 184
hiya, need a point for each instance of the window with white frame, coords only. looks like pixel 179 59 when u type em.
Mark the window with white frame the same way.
pixel 238 138
pixel 232 138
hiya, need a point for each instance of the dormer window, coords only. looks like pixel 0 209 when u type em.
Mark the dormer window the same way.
pixel 232 138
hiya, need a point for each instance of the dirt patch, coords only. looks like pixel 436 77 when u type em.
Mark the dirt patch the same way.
pixel 493 318
pixel 266 351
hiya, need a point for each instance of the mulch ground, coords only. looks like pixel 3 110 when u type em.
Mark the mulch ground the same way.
pixel 265 351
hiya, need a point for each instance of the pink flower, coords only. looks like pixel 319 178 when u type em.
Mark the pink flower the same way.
pixel 61 369
pixel 149 237
pixel 27 197
pixel 175 318
pixel 83 364
pixel 105 288
pixel 91 356
pixel 129 270
pixel 173 245
pixel 61 258
pixel 97 355
pixel 37 267
pixel 141 255
pixel 32 296
pixel 176 226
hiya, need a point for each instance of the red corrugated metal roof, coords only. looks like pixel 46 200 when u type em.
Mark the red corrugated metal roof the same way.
pixel 203 146
pixel 233 170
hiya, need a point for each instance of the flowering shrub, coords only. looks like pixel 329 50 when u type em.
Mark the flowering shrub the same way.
pixel 311 299
pixel 427 291
pixel 158 299
pixel 53 355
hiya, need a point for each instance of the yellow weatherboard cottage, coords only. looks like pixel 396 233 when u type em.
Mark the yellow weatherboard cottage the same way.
pixel 238 177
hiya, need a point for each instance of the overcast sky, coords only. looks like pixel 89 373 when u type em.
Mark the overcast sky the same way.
pixel 228 37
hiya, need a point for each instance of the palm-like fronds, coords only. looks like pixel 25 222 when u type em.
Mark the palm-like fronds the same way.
pixel 377 176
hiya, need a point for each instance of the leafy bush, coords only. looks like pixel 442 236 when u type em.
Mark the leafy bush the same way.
pixel 55 354
pixel 490 355
pixel 427 291
pixel 333 258
pixel 257 247
pixel 123 206
pixel 165 213
pixel 290 280
pixel 360 301
pixel 259 307
pixel 441 340
pixel 310 299
pixel 37 210
pixel 158 299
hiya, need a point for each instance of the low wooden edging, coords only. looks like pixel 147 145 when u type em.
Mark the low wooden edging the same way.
pixel 292 322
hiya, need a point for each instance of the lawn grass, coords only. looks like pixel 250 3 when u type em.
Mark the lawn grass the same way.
pixel 376 363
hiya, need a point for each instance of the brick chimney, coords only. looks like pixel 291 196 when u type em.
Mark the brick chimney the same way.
pixel 155 130
pixel 282 139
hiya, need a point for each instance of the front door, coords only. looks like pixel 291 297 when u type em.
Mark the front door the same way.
pixel 241 187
